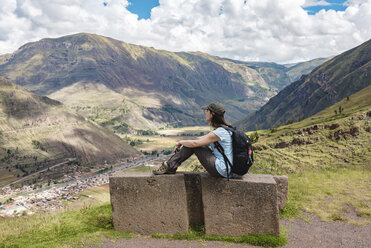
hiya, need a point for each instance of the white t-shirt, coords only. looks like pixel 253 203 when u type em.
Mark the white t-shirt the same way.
pixel 226 142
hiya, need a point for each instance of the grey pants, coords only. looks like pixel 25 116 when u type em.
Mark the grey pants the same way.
pixel 204 155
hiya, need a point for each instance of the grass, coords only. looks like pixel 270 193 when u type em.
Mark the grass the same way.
pixel 91 226
pixel 326 193
pixel 75 228
pixel 155 143
pixel 325 174
pixel 141 168
pixel 90 197
pixel 198 233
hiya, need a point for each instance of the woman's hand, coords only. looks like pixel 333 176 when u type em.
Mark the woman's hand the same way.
pixel 177 147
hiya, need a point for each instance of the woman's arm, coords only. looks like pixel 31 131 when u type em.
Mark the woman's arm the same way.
pixel 201 141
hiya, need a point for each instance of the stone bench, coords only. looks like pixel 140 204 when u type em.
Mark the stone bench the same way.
pixel 145 204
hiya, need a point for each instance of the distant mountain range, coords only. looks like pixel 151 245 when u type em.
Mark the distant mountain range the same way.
pixel 326 85
pixel 124 86
pixel 36 130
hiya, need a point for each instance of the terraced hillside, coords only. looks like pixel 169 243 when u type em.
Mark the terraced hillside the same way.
pixel 328 139
pixel 36 132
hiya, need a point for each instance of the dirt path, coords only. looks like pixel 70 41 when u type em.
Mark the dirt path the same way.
pixel 301 234
pixel 164 243
pixel 320 234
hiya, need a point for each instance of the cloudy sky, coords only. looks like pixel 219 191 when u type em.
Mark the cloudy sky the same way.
pixel 255 30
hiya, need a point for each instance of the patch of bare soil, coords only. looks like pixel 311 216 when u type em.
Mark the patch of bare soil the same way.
pixel 317 233
pixel 165 243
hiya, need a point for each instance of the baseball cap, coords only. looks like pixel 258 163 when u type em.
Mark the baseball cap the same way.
pixel 215 107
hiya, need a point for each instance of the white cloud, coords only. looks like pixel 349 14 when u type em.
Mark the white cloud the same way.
pixel 311 3
pixel 265 30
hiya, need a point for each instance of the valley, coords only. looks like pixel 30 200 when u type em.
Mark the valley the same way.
pixel 32 198
pixel 126 87
pixel 59 185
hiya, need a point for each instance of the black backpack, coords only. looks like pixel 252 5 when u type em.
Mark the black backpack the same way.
pixel 243 156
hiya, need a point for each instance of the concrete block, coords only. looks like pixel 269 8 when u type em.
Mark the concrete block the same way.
pixel 282 189
pixel 143 203
pixel 240 206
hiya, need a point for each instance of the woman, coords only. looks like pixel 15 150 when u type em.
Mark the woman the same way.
pixel 211 160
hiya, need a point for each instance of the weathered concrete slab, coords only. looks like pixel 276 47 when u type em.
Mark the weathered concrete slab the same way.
pixel 143 203
pixel 241 206
pixel 282 190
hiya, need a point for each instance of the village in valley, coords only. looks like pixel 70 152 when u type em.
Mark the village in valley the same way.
pixel 29 199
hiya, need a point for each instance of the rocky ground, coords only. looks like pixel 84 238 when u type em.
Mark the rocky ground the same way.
pixel 301 234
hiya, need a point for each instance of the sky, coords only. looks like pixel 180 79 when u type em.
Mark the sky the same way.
pixel 281 31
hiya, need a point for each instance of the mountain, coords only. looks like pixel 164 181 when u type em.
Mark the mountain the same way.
pixel 296 70
pixel 5 58
pixel 124 86
pixel 36 131
pixel 329 83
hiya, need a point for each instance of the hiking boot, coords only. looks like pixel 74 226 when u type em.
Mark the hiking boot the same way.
pixel 163 169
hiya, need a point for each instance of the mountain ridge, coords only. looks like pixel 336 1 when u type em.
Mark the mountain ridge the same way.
pixel 177 83
pixel 327 84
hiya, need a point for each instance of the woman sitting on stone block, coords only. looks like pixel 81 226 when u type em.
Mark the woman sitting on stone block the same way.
pixel 211 160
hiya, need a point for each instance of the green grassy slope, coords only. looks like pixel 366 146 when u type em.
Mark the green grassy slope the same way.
pixel 325 139
pixel 36 131
pixel 328 160
pixel 336 79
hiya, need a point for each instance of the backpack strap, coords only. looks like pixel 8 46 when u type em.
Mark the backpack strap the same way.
pixel 226 160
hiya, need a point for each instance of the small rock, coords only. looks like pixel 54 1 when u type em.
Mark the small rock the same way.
pixel 282 144
pixel 354 131
pixel 332 126
pixel 297 141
